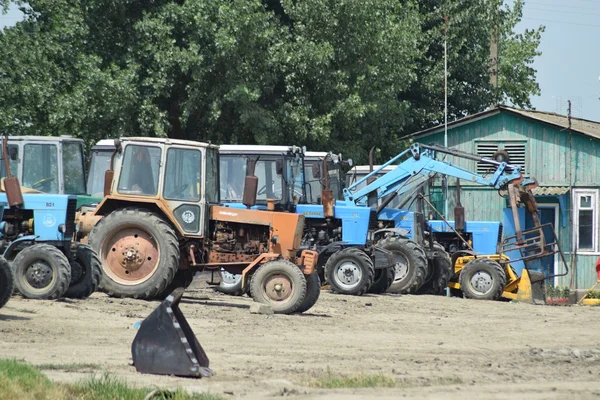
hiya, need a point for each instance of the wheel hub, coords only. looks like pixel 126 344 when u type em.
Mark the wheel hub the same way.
pixel 39 275
pixel 348 274
pixel 130 256
pixel 481 282
pixel 401 267
pixel 278 288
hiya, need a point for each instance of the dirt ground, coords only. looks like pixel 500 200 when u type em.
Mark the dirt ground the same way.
pixel 437 347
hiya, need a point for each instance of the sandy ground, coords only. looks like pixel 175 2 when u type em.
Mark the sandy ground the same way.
pixel 437 347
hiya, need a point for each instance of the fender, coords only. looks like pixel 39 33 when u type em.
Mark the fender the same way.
pixel 11 247
pixel 396 231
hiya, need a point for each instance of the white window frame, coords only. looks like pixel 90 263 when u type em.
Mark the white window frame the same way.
pixel 577 194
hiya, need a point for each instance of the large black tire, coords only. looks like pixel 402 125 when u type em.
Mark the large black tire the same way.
pixel 145 253
pixel 7 282
pixel 482 279
pixel 42 272
pixel 230 284
pixel 86 270
pixel 313 290
pixel 349 271
pixel 280 284
pixel 183 279
pixel 383 280
pixel 411 264
pixel 441 271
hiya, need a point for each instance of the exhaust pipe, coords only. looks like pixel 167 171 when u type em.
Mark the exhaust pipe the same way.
pixel 166 345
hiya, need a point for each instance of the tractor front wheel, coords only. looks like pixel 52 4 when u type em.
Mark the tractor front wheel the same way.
pixel 313 290
pixel 280 284
pixel 7 282
pixel 42 272
pixel 139 253
pixel 230 284
pixel 482 279
pixel 383 280
pixel 441 271
pixel 349 271
pixel 86 270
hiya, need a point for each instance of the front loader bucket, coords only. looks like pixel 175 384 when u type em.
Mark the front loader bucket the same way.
pixel 166 345
pixel 531 289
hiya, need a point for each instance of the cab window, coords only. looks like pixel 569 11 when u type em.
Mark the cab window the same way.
pixel 139 172
pixel 182 176
pixel 40 167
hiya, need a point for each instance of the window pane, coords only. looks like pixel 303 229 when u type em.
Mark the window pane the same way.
pixel 40 170
pixel 182 177
pixel 73 168
pixel 98 166
pixel 212 194
pixel 585 201
pixel 586 229
pixel 232 175
pixel 139 172
pixel 269 182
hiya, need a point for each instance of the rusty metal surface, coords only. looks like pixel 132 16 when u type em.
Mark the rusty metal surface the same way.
pixel 217 257
pixel 85 220
pixel 278 287
pixel 327 201
pixel 250 189
pixel 130 256
pixel 308 261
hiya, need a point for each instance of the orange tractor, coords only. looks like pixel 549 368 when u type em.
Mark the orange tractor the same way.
pixel 160 221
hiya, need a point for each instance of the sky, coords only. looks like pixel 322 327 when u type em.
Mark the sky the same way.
pixel 569 67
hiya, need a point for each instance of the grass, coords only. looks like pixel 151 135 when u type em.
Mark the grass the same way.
pixel 329 381
pixel 21 381
pixel 72 367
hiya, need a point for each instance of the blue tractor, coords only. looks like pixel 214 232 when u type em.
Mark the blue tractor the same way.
pixel 355 235
pixel 36 231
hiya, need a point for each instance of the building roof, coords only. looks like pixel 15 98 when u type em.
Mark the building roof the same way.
pixel 583 126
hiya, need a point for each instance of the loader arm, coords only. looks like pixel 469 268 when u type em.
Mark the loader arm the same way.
pixel 423 163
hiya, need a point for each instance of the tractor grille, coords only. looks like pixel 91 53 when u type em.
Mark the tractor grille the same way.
pixel 70 220
pixel 373 219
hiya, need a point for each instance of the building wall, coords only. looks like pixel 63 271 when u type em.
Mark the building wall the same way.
pixel 552 156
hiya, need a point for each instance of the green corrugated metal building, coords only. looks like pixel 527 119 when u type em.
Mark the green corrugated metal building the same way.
pixel 562 153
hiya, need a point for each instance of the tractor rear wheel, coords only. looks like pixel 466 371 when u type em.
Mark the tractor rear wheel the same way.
pixel 280 284
pixel 313 290
pixel 139 253
pixel 42 272
pixel 7 282
pixel 349 271
pixel 411 264
pixel 383 280
pixel 482 279
pixel 441 271
pixel 86 270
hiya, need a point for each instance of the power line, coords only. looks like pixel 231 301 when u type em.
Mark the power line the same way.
pixel 564 12
pixel 562 22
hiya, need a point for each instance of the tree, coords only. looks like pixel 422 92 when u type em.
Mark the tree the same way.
pixel 341 76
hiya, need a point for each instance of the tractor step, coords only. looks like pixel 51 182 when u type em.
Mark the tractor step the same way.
pixel 166 345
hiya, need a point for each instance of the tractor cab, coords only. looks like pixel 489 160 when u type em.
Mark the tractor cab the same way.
pixel 314 174
pixel 279 169
pixel 179 177
pixel 99 163
pixel 49 164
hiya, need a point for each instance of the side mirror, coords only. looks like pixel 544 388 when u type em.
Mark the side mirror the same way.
pixel 316 171
pixel 279 166
pixel 350 162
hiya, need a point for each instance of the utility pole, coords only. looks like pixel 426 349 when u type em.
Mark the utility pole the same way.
pixel 494 56
pixel 446 106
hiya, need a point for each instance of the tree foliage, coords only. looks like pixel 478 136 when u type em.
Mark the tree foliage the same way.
pixel 331 75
